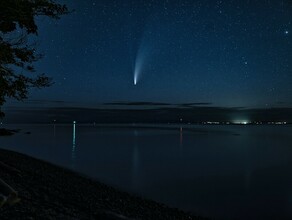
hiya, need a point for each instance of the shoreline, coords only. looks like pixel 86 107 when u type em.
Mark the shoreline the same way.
pixel 48 191
pixel 8 132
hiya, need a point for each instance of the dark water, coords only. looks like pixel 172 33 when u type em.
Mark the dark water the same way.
pixel 227 172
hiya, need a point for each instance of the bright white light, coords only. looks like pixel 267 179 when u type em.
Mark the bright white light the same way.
pixel 135 79
pixel 241 122
pixel 137 70
pixel 286 32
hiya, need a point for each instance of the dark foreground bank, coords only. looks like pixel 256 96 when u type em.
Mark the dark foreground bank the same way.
pixel 7 132
pixel 51 192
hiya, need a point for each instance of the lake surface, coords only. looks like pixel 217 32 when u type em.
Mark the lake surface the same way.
pixel 227 172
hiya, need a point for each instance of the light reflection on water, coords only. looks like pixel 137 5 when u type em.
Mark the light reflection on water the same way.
pixel 73 154
pixel 241 172
pixel 135 161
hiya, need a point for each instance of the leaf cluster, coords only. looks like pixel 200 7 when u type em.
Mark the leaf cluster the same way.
pixel 17 56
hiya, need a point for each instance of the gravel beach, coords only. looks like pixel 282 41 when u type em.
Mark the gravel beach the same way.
pixel 51 192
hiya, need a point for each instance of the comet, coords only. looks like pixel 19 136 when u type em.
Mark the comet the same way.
pixel 135 81
pixel 137 70
pixel 144 54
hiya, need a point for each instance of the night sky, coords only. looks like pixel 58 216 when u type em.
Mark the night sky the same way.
pixel 230 53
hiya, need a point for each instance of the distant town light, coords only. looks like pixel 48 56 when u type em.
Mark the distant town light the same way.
pixel 241 122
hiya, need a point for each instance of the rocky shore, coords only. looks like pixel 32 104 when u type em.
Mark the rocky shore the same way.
pixel 6 132
pixel 51 192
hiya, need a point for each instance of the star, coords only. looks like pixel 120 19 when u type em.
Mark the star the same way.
pixel 286 32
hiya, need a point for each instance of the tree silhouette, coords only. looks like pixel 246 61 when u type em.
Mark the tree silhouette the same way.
pixel 17 55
